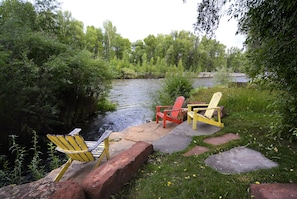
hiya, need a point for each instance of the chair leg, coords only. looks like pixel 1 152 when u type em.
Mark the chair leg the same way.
pixel 194 123
pixel 189 119
pixel 105 152
pixel 106 148
pixel 61 173
pixel 100 159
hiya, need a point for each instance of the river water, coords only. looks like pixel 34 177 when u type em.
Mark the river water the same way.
pixel 134 101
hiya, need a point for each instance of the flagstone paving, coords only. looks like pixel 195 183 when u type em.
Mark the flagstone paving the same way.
pixel 222 139
pixel 239 160
pixel 180 137
pixel 197 150
pixel 236 160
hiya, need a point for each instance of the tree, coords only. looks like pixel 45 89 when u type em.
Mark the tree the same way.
pixel 109 36
pixel 46 84
pixel 121 46
pixel 94 38
pixel 235 60
pixel 150 46
pixel 70 31
pixel 212 54
pixel 271 32
pixel 46 11
pixel 138 49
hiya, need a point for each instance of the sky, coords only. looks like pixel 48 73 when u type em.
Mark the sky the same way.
pixel 136 19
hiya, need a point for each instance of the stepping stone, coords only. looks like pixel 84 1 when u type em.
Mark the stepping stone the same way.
pixel 239 160
pixel 197 150
pixel 221 139
pixel 172 143
pixel 274 191
pixel 202 129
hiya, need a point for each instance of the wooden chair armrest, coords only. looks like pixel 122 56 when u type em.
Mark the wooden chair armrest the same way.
pixel 205 109
pixel 171 110
pixel 158 108
pixel 197 105
pixel 75 131
pixel 104 136
pixel 192 106
pixel 165 106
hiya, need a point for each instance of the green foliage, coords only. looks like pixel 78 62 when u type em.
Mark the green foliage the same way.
pixel 54 160
pixel 175 84
pixel 270 27
pixel 236 60
pixel 14 175
pixel 128 73
pixel 250 98
pixel 36 168
pixel 17 174
pixel 20 153
pixel 285 110
pixel 46 84
pixel 105 105
pixel 46 11
pixel 272 56
pixel 222 76
pixel 5 171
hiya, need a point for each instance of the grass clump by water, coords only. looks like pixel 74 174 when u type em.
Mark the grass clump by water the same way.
pixel 248 115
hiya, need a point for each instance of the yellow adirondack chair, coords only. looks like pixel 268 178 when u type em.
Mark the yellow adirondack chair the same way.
pixel 78 149
pixel 209 109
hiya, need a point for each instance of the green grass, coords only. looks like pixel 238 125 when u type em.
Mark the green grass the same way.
pixel 176 176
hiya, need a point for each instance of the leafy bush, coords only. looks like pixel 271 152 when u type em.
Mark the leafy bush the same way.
pixel 13 167
pixel 48 86
pixel 222 76
pixel 13 175
pixel 174 85
pixel 36 168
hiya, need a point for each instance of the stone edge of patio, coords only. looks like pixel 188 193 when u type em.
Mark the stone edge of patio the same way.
pixel 101 182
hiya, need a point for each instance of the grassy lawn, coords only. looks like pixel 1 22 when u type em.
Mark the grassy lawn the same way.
pixel 249 116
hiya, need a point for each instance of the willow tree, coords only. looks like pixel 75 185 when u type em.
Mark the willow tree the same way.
pixel 110 33
pixel 271 30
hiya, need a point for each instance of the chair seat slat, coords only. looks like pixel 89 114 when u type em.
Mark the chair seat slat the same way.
pixel 98 150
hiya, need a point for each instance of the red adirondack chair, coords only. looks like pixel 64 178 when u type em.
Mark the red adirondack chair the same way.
pixel 171 113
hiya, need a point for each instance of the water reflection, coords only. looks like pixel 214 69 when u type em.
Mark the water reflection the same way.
pixel 134 100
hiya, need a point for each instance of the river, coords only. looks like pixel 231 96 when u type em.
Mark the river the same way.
pixel 134 100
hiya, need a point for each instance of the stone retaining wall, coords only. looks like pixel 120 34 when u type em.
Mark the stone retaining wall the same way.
pixel 101 182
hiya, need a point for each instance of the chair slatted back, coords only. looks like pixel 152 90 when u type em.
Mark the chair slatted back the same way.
pixel 178 104
pixel 73 146
pixel 212 104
